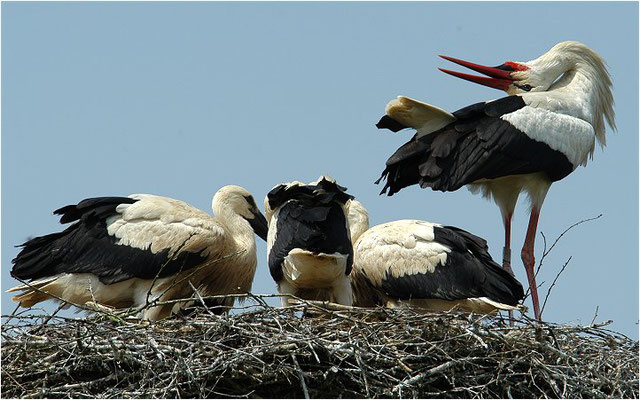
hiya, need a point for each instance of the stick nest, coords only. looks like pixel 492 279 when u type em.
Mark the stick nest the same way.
pixel 313 350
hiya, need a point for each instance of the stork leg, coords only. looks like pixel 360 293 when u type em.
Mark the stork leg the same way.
pixel 342 293
pixel 506 251
pixel 505 193
pixel 529 260
pixel 285 287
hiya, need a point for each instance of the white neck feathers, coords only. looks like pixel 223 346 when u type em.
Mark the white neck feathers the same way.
pixel 237 228
pixel 583 88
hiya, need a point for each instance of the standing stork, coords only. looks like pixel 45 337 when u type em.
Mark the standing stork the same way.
pixel 539 134
pixel 142 249
pixel 426 265
pixel 309 249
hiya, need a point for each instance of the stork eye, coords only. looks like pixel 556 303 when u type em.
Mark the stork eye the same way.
pixel 251 201
pixel 526 88
pixel 505 67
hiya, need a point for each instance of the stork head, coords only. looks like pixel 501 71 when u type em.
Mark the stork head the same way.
pixel 555 69
pixel 238 200
pixel 537 75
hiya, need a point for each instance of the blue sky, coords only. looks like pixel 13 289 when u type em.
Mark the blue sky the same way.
pixel 179 99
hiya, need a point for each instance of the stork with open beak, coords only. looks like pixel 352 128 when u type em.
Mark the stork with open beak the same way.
pixel 539 134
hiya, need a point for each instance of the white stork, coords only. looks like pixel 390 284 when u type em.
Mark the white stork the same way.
pixel 141 249
pixel 540 133
pixel 309 249
pixel 426 265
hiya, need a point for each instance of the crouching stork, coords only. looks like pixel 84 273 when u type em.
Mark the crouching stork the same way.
pixel 425 265
pixel 142 249
pixel 309 250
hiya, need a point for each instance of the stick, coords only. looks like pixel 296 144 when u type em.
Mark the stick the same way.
pixel 553 284
pixel 301 376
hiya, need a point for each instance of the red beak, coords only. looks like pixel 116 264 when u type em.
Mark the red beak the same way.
pixel 498 78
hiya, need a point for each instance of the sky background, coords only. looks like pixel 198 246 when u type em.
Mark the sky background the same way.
pixel 179 99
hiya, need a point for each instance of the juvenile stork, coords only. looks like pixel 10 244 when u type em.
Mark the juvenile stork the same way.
pixel 539 134
pixel 308 246
pixel 425 265
pixel 141 249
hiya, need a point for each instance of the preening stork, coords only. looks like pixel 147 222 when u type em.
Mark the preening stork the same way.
pixel 309 249
pixel 427 265
pixel 136 250
pixel 539 134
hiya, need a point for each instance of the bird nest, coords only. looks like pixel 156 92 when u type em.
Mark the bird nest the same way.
pixel 312 350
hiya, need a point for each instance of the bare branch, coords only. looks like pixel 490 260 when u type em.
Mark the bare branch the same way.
pixel 554 283
pixel 545 251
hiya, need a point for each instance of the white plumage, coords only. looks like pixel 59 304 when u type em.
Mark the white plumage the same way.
pixel 544 130
pixel 406 246
pixel 157 223
pixel 572 136
pixel 133 251
pixel 426 265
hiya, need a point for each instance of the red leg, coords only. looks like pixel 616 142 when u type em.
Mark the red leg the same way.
pixel 529 260
pixel 506 250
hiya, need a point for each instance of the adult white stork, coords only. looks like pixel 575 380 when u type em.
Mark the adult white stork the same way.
pixel 308 246
pixel 539 134
pixel 426 265
pixel 141 249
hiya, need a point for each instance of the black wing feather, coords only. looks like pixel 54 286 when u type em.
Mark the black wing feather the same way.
pixel 478 145
pixel 319 229
pixel 86 247
pixel 468 272
pixel 100 207
pixel 386 122
pixel 311 217
pixel 324 192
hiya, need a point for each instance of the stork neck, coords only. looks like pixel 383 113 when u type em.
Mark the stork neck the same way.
pixel 357 228
pixel 357 219
pixel 576 94
pixel 237 227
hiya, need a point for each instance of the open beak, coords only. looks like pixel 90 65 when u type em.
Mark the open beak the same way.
pixel 498 78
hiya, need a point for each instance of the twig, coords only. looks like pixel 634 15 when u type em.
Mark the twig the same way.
pixel 10 317
pixel 301 376
pixel 48 318
pixel 567 230
pixel 162 267
pixel 595 316
pixel 423 375
pixel 546 251
pixel 197 293
pixel 553 284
